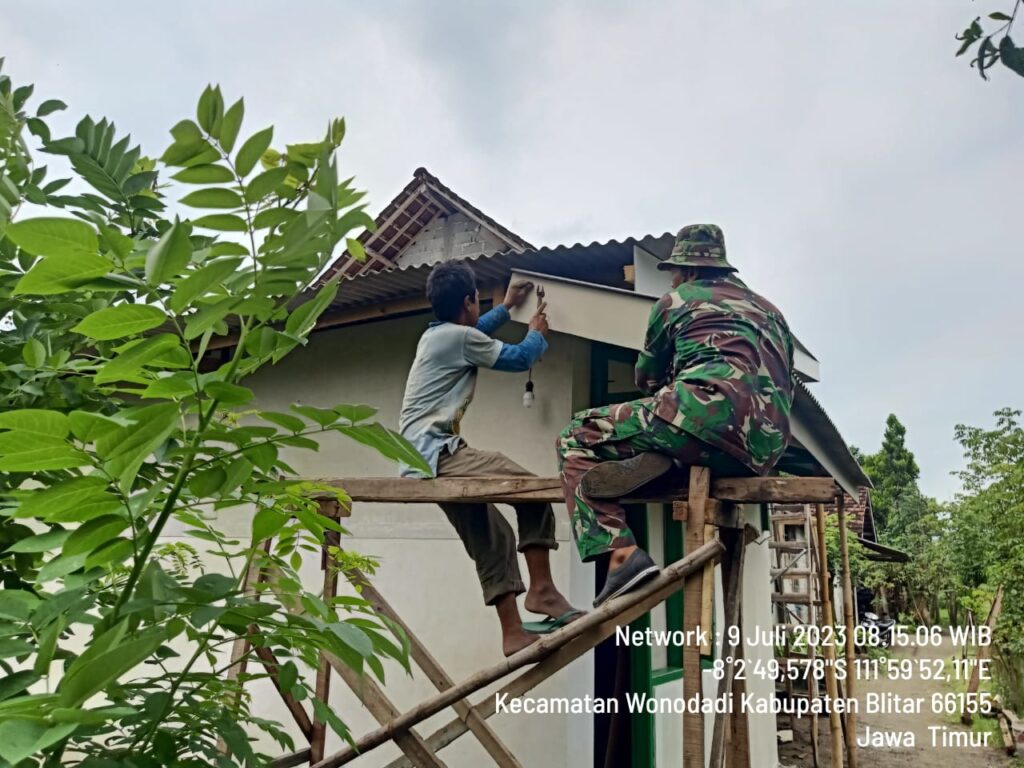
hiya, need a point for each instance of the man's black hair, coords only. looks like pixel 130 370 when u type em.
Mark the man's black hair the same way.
pixel 448 285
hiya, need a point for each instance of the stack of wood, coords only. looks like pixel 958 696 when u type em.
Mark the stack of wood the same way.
pixel 1010 726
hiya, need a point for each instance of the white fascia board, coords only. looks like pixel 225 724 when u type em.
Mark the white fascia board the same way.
pixel 805 363
pixel 611 315
pixel 619 317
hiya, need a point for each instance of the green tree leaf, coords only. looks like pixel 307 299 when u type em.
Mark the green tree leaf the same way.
pixel 36 421
pixel 120 321
pixel 355 413
pixel 266 523
pixel 49 236
pixel 198 284
pixel 210 110
pixel 388 444
pixel 222 222
pixel 62 273
pixel 209 315
pixel 50 106
pixel 213 197
pixel 170 255
pixel 88 426
pixel 135 356
pixel 91 672
pixel 41 542
pixel 251 151
pixel 265 183
pixel 289 422
pixel 125 450
pixel 204 174
pixel 303 319
pixel 21 739
pixel 353 637
pixel 63 496
pixel 94 533
pixel 47 646
pixel 230 125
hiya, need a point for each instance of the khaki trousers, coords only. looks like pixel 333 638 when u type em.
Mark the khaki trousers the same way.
pixel 486 535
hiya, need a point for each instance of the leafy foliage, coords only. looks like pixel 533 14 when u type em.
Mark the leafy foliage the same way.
pixel 989 51
pixel 908 520
pixel 987 532
pixel 893 472
pixel 114 424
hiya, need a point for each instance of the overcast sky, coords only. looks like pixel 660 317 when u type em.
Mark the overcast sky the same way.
pixel 868 182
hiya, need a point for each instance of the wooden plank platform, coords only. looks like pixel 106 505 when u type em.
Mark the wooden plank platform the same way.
pixel 506 490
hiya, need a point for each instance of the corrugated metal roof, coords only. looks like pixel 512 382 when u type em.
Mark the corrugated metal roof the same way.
pixel 599 263
pixel 837 457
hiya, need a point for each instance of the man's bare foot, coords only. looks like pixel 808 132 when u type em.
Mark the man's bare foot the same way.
pixel 513 642
pixel 547 600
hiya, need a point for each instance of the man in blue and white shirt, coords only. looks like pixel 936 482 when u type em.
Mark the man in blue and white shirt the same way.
pixel 439 389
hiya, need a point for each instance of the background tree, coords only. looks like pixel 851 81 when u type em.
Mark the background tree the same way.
pixel 894 473
pixel 994 43
pixel 908 520
pixel 987 535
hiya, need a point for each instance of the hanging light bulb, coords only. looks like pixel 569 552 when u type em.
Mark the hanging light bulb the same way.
pixel 528 396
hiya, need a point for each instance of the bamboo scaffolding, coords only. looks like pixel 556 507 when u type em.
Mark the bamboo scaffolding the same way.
pixel 851 677
pixel 708 504
pixel 827 619
pixel 665 584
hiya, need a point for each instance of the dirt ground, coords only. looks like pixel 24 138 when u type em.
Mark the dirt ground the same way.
pixel 923 755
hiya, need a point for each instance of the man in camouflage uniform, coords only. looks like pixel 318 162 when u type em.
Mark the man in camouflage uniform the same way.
pixel 717 362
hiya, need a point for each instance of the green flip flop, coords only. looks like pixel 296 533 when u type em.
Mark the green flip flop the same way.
pixel 550 624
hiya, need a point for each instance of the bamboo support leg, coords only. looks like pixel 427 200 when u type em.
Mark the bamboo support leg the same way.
pixel 851 691
pixel 383 711
pixel 291 759
pixel 707 595
pixel 241 646
pixel 488 739
pixel 739 752
pixel 831 684
pixel 732 586
pixel 812 694
pixel 693 593
pixel 296 709
pixel 322 691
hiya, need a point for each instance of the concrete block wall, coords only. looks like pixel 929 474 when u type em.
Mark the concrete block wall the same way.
pixel 451 237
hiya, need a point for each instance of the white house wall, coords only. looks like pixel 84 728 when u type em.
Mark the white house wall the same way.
pixel 425 573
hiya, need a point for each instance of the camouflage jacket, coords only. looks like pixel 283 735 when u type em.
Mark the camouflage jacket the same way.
pixel 718 360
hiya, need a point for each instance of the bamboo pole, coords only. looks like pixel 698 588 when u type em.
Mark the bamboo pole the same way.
pixel 693 615
pixel 831 684
pixel 539 673
pixel 499 753
pixel 614 611
pixel 972 686
pixel 851 693
pixel 732 586
pixel 813 564
pixel 318 741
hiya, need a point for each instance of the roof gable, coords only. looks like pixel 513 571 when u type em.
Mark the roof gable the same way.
pixel 425 223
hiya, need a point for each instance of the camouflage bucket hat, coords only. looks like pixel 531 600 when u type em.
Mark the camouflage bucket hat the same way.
pixel 698 245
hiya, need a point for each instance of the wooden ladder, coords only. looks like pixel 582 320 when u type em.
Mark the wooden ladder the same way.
pixel 803 561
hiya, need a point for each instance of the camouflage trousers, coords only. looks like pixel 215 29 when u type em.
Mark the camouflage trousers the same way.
pixel 612 433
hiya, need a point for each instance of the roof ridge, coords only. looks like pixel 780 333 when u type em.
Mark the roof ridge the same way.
pixel 420 177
